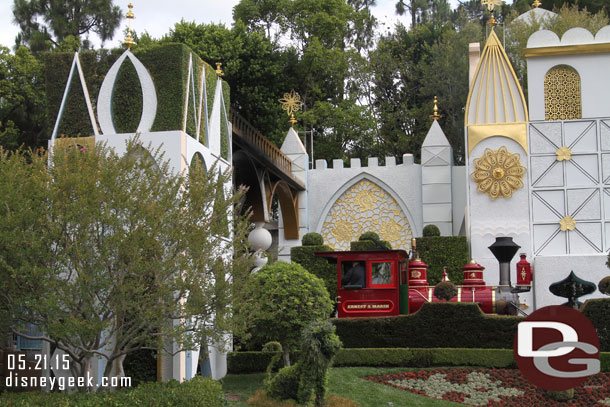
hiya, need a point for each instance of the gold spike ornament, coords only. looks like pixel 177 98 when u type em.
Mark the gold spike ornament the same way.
pixel 129 42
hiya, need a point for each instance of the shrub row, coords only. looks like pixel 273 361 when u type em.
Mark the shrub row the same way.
pixel 198 392
pixel 444 251
pixel 251 362
pixel 435 325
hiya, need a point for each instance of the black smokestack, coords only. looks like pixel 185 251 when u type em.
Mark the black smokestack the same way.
pixel 504 250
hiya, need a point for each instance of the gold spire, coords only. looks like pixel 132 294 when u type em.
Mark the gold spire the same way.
pixel 536 4
pixel 129 42
pixel 218 71
pixel 435 116
pixel 291 103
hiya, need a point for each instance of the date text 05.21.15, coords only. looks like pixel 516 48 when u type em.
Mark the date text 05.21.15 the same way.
pixel 40 362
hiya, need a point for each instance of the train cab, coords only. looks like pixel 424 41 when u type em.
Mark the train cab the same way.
pixel 369 282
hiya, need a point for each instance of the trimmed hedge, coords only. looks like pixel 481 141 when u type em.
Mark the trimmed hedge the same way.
pixel 431 230
pixel 318 266
pixel 368 245
pixel 444 251
pixel 598 312
pixel 198 392
pixel 435 325
pixel 168 66
pixel 252 362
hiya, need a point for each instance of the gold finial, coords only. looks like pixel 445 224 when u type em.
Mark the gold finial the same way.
pixel 492 21
pixel 491 4
pixel 129 42
pixel 536 4
pixel 473 262
pixel 435 116
pixel 218 70
pixel 291 103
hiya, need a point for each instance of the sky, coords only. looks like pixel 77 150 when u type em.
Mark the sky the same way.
pixel 158 16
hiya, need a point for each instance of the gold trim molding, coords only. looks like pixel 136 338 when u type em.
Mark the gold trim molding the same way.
pixel 597 48
pixel 480 132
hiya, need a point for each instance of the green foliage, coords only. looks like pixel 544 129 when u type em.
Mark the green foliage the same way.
pixel 561 395
pixel 45 23
pixel 366 241
pixel 369 245
pixel 249 362
pixel 368 236
pixel 320 267
pixel 597 310
pixel 431 230
pixel 100 237
pixel 312 239
pixel 604 285
pixel 277 302
pixel 253 361
pixel 197 392
pixel 469 328
pixel 569 15
pixel 168 66
pixel 444 251
pixel 308 378
pixel 141 366
pixel 445 290
pixel 22 110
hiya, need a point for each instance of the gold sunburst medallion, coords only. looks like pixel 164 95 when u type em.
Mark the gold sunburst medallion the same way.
pixel 291 103
pixel 498 173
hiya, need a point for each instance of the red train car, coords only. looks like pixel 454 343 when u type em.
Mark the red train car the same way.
pixel 385 283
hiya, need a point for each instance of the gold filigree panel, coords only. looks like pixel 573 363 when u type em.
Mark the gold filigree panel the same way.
pixel 365 207
pixel 562 94
pixel 498 173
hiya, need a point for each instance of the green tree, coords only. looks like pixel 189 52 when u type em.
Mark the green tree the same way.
pixel 278 302
pixel 519 31
pixel 45 24
pixel 22 99
pixel 115 253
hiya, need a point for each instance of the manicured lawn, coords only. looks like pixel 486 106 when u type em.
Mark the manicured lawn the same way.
pixel 345 382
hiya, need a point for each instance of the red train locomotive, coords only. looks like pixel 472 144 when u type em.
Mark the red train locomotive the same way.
pixel 385 282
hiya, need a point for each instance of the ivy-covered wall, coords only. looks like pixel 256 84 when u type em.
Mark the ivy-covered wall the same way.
pixel 168 66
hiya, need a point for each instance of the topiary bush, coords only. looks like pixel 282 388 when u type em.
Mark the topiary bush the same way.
pixel 445 290
pixel 444 251
pixel 318 266
pixel 368 236
pixel 308 378
pixel 598 310
pixel 312 239
pixel 431 230
pixel 277 303
pixel 367 240
pixel 604 285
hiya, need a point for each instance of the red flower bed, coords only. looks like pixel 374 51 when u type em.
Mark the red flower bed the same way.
pixel 474 386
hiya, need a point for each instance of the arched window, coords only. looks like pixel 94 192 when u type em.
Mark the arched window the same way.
pixel 562 94
pixel 198 161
